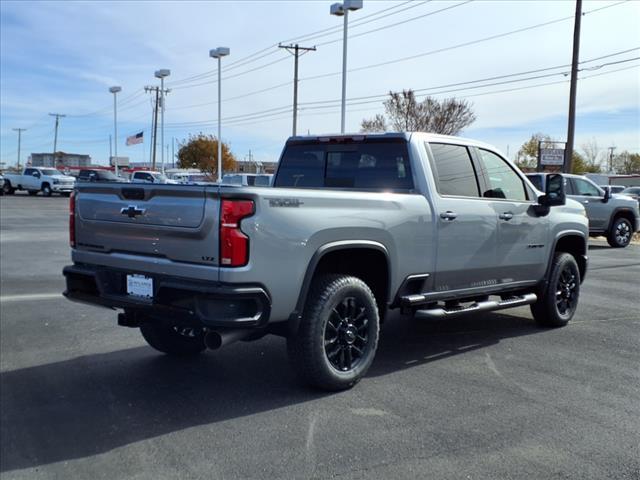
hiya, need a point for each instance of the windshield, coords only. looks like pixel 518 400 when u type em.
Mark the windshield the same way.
pixel 50 171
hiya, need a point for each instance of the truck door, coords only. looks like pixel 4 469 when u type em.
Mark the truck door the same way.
pixel 522 234
pixel 466 223
pixel 591 197
pixel 29 182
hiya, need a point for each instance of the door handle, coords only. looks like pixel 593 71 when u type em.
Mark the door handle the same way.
pixel 448 215
pixel 586 202
pixel 505 216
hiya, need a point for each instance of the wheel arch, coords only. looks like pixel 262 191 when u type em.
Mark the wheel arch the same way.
pixel 365 259
pixel 575 243
pixel 621 212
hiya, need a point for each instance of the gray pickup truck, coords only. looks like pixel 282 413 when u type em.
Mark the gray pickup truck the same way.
pixel 615 216
pixel 353 227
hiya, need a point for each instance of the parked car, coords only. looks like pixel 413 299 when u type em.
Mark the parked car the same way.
pixel 352 228
pixel 248 179
pixel 191 177
pixel 615 216
pixel 98 175
pixel 38 179
pixel 633 192
pixel 146 176
pixel 1 184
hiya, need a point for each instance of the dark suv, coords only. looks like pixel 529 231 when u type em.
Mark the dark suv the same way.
pixel 612 215
pixel 97 176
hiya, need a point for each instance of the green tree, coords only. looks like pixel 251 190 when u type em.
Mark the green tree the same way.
pixel 581 165
pixel 201 151
pixel 527 157
pixel 406 114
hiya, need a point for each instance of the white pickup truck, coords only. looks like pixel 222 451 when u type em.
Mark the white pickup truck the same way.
pixel 36 179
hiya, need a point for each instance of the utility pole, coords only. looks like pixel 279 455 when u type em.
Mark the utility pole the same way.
pixel 296 53
pixel 173 153
pixel 55 137
pixel 19 130
pixel 154 123
pixel 572 90
pixel 611 149
pixel 110 151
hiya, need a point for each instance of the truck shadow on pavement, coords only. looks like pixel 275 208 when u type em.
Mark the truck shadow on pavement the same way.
pixel 95 403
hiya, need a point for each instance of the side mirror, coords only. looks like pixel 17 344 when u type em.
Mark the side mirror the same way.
pixel 554 192
pixel 36 174
pixel 607 194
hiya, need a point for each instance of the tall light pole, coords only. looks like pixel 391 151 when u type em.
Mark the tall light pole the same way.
pixel 161 74
pixel 115 91
pixel 19 130
pixel 342 10
pixel 219 53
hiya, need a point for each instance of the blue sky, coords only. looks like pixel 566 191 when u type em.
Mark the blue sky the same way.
pixel 62 57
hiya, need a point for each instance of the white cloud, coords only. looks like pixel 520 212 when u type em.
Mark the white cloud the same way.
pixel 96 44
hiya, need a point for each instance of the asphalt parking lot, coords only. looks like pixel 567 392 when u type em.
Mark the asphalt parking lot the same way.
pixel 481 397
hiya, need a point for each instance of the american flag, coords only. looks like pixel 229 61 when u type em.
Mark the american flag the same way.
pixel 135 139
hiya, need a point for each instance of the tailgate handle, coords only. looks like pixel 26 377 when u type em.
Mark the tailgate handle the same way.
pixel 133 193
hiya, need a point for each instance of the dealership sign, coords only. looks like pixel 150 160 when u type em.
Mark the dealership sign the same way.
pixel 552 156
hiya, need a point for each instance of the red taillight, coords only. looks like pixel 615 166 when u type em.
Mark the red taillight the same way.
pixel 234 245
pixel 72 220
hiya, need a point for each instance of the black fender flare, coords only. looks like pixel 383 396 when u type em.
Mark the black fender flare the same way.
pixel 552 251
pixel 295 316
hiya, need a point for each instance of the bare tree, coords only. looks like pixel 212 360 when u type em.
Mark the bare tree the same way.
pixel 376 124
pixel 591 152
pixel 405 113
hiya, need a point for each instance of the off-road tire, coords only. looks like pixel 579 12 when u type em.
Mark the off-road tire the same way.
pixel 7 189
pixel 46 190
pixel 170 340
pixel 620 234
pixel 558 302
pixel 347 302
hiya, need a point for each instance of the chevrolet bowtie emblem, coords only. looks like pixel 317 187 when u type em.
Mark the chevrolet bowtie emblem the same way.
pixel 132 211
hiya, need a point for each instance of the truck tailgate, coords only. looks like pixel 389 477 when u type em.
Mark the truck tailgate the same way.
pixel 174 222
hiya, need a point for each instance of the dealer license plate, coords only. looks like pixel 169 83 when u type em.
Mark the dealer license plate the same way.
pixel 140 286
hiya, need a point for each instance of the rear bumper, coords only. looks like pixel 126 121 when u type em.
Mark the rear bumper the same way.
pixel 188 302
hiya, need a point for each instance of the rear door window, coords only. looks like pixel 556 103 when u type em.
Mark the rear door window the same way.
pixel 454 171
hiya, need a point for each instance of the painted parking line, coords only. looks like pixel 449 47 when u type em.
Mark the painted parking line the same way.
pixel 30 297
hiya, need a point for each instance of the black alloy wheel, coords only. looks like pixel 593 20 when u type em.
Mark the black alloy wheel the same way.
pixel 337 338
pixel 346 337
pixel 558 297
pixel 621 233
pixel 566 292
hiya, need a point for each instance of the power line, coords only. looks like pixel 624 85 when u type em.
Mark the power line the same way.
pixel 460 45
pixel 384 27
pixel 268 50
pixel 274 112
